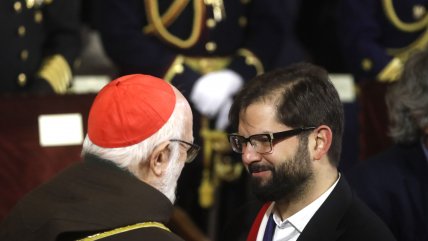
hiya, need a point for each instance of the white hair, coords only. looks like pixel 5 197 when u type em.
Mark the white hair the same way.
pixel 130 157
pixel 168 185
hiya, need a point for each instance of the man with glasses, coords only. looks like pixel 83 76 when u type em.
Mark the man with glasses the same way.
pixel 289 133
pixel 139 139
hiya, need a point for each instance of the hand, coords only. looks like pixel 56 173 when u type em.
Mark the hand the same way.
pixel 212 90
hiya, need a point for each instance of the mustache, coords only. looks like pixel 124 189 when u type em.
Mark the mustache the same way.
pixel 257 167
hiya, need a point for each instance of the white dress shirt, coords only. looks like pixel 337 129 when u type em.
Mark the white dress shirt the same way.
pixel 290 229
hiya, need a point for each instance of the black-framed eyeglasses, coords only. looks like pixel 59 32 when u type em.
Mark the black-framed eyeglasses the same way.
pixel 192 152
pixel 262 143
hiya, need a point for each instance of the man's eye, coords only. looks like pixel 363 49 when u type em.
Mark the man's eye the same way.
pixel 261 138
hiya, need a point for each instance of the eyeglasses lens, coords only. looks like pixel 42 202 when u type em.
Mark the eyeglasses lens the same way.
pixel 261 143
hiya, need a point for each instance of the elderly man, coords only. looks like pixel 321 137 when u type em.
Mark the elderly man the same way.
pixel 290 125
pixel 139 138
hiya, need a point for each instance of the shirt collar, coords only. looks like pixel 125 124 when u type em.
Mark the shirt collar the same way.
pixel 300 219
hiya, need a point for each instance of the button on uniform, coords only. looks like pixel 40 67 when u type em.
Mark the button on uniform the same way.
pixel 38 16
pixel 24 55
pixel 419 11
pixel 17 6
pixel 22 79
pixel 367 64
pixel 242 21
pixel 210 46
pixel 211 23
pixel 22 31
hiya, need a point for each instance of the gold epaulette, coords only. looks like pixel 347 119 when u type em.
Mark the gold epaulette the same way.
pixel 57 72
pixel 125 229
pixel 391 72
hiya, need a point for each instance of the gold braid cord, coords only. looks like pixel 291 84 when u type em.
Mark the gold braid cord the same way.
pixel 175 68
pixel 125 229
pixel 393 69
pixel 419 44
pixel 57 72
pixel 170 15
pixel 396 21
pixel 155 19
pixel 251 59
pixel 217 164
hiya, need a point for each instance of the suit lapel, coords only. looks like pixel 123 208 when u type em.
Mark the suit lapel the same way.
pixel 416 181
pixel 324 225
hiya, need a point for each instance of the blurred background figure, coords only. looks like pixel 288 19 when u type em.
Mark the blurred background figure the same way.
pixel 317 32
pixel 376 39
pixel 207 49
pixel 291 49
pixel 394 183
pixel 40 45
pixel 316 25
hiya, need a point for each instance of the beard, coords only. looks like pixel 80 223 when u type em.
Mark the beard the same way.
pixel 168 185
pixel 289 179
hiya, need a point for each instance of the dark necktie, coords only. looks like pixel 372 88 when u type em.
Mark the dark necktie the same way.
pixel 270 229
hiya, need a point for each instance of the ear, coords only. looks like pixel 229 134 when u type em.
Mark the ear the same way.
pixel 323 137
pixel 159 158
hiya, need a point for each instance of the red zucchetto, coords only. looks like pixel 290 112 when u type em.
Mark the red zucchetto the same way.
pixel 130 109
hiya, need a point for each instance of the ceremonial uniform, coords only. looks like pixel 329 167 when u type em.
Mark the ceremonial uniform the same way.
pixel 182 40
pixel 40 42
pixel 377 37
pixel 92 197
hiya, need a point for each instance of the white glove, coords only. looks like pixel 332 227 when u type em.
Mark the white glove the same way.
pixel 212 90
pixel 223 116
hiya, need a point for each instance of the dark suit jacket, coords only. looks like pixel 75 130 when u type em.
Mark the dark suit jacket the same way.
pixel 395 185
pixel 341 217
pixel 89 198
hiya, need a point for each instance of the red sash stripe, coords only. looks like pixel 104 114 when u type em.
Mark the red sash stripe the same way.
pixel 252 235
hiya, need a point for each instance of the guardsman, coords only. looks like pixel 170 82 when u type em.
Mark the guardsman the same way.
pixel 207 49
pixel 378 36
pixel 40 41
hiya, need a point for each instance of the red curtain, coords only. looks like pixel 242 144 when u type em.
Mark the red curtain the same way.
pixel 24 164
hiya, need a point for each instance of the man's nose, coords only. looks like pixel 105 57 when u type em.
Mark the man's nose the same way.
pixel 249 154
